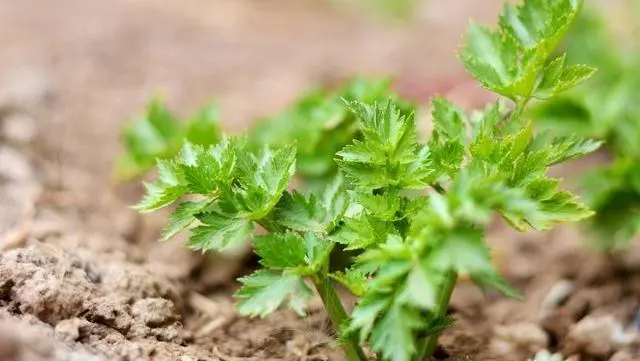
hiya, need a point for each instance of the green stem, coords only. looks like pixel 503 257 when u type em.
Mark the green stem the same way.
pixel 521 104
pixel 438 188
pixel 338 315
pixel 269 225
pixel 428 345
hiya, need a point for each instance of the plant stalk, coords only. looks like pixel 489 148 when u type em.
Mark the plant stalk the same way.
pixel 338 315
pixel 521 104
pixel 427 346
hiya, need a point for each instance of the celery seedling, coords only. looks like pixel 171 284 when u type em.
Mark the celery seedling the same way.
pixel 413 212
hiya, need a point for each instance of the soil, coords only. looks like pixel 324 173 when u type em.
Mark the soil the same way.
pixel 82 276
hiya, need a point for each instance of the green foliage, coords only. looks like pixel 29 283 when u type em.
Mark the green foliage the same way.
pixel 235 187
pixel 320 125
pixel 390 155
pixel 512 60
pixel 157 133
pixel 614 191
pixel 502 169
pixel 412 212
pixel 264 291
pixel 605 108
pixel 317 123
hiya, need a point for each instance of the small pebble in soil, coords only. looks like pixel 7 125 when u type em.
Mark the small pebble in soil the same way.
pixel 68 330
pixel 624 356
pixel 519 338
pixel 154 312
pixel 557 295
pixel 598 336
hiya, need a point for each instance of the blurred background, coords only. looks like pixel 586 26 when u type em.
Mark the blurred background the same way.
pixel 91 65
pixel 97 63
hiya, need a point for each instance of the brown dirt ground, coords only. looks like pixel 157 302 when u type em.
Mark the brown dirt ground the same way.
pixel 82 277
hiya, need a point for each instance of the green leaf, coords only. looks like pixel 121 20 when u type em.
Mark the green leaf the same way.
pixel 393 335
pixel 353 279
pixel 422 288
pixel 202 175
pixel 447 145
pixel 261 179
pixel 491 279
pixel 381 206
pixel 560 149
pixel 219 232
pixel 158 196
pixel 157 133
pixel 551 77
pixel 182 217
pixel 280 251
pixel 441 208
pixel 161 118
pixel 301 214
pixel 366 313
pixel 310 214
pixel 335 202
pixel 167 189
pixel 614 193
pixel 318 251
pixel 391 269
pixel 572 76
pixel 552 206
pixel 203 127
pixel 510 59
pixel 388 155
pixel 320 125
pixel 264 291
pixel 558 78
pixel 449 120
pixel 362 232
pixel 439 324
pixel 463 251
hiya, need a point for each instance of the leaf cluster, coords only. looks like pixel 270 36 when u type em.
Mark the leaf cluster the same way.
pixel 604 108
pixel 317 123
pixel 158 133
pixel 320 125
pixel 411 242
pixel 413 212
pixel 514 59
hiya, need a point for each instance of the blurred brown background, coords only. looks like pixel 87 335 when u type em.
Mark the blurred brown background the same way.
pixel 98 62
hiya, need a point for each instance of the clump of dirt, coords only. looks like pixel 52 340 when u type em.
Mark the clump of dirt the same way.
pixel 114 309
